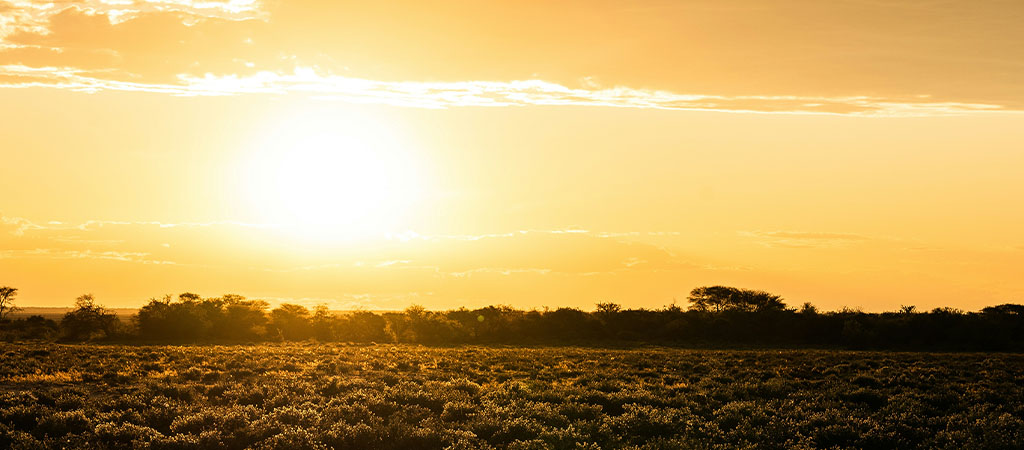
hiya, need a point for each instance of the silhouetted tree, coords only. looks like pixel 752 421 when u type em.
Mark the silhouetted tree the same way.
pixel 908 309
pixel 717 315
pixel 190 318
pixel 242 319
pixel 570 324
pixel 153 319
pixel 431 327
pixel 1006 308
pixel 291 322
pixel 189 297
pixel 194 318
pixel 323 323
pixel 494 324
pixel 89 321
pixel 7 295
pixel 608 313
pixel 725 298
pixel 399 325
pixel 362 326
pixel 608 309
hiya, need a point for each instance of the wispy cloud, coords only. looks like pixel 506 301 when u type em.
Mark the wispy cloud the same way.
pixel 417 94
pixel 134 257
pixel 34 16
pixel 858 58
pixel 20 225
pixel 562 251
pixel 500 271
pixel 804 239
pixel 544 93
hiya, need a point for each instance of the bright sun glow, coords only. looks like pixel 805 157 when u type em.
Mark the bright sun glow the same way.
pixel 331 179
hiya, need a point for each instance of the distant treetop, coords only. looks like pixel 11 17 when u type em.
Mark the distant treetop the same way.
pixel 725 298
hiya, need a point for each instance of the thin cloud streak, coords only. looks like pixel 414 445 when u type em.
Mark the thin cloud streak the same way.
pixel 21 224
pixel 441 95
pixel 134 257
pixel 805 239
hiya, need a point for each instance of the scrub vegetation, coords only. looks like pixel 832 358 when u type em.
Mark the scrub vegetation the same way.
pixel 403 396
pixel 718 316
pixel 498 377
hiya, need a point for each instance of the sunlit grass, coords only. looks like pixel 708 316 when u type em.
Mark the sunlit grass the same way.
pixel 409 396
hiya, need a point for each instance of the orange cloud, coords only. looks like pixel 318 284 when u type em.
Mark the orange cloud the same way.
pixel 793 56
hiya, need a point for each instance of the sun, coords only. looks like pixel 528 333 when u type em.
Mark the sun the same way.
pixel 331 178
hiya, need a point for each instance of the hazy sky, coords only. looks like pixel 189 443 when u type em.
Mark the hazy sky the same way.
pixel 549 153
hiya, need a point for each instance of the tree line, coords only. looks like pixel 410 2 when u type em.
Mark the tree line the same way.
pixel 716 316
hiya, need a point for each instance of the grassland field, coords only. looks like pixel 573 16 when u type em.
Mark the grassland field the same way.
pixel 312 396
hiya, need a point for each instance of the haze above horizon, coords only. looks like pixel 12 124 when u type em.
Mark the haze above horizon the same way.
pixel 380 154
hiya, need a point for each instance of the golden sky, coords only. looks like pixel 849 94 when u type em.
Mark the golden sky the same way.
pixel 550 153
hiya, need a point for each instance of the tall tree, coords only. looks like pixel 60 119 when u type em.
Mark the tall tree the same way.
pixel 7 295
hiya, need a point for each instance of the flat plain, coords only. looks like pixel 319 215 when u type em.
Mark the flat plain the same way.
pixel 406 397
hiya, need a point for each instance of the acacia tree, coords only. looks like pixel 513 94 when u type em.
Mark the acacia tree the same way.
pixel 725 298
pixel 7 295
pixel 608 309
pixel 89 320
pixel 1007 308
